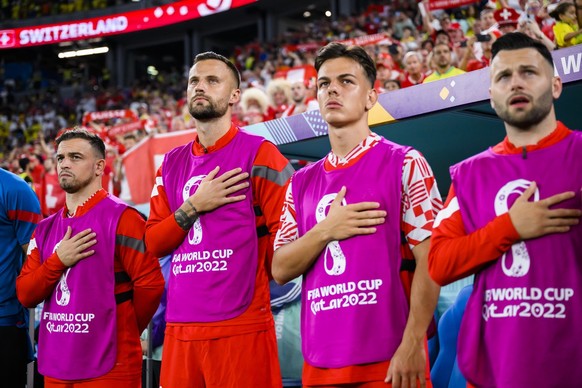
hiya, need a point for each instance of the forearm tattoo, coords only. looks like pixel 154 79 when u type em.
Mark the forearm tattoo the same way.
pixel 183 220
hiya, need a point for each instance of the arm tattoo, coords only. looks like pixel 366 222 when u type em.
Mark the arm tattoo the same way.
pixel 183 220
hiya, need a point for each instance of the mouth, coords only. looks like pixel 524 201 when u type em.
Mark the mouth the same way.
pixel 519 101
pixel 333 105
pixel 199 98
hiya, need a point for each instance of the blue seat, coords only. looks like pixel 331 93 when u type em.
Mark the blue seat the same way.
pixel 445 372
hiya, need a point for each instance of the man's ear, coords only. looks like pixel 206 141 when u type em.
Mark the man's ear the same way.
pixel 372 98
pixel 234 97
pixel 100 167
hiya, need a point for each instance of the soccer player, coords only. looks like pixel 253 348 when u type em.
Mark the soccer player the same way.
pixel 512 219
pixel 88 263
pixel 219 229
pixel 343 224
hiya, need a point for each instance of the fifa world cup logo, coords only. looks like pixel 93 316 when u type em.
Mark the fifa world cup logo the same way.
pixel 521 260
pixel 195 233
pixel 62 291
pixel 333 252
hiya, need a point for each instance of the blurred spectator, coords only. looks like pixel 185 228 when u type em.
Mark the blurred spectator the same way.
pixel 391 84
pixel 442 60
pixel 302 82
pixel 255 106
pixel 532 29
pixel 506 19
pixel 52 196
pixel 566 30
pixel 279 93
pixel 469 61
pixel 414 74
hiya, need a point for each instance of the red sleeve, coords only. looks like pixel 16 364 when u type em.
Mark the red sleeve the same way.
pixel 142 267
pixel 269 179
pixel 454 254
pixel 162 234
pixel 36 281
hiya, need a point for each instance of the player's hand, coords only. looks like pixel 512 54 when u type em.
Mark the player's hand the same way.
pixel 214 192
pixel 407 366
pixel 343 222
pixel 71 250
pixel 536 219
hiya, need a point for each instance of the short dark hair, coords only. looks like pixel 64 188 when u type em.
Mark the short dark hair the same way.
pixel 212 55
pixel 80 133
pixel 561 9
pixel 517 41
pixel 338 50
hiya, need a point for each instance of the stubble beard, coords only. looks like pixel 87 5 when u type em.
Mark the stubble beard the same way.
pixel 524 121
pixel 207 112
pixel 72 185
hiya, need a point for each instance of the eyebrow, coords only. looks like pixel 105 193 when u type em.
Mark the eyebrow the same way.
pixel 344 75
pixel 70 154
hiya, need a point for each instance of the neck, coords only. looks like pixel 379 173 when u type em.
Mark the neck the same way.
pixel 415 76
pixel 443 70
pixel 74 200
pixel 345 139
pixel 210 131
pixel 531 136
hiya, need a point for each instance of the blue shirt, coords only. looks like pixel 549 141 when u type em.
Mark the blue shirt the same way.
pixel 19 214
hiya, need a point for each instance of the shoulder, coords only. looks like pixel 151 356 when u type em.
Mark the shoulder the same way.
pixel 15 192
pixel 482 157
pixel 307 171
pixel 269 155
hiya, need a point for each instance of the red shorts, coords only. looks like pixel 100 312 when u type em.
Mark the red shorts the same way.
pixel 105 381
pixel 246 360
pixel 369 384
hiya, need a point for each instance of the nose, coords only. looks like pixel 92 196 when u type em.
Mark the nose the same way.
pixel 333 87
pixel 200 86
pixel 63 163
pixel 516 81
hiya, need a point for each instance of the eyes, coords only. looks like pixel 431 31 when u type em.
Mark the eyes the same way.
pixel 343 81
pixel 60 158
pixel 526 73
pixel 210 81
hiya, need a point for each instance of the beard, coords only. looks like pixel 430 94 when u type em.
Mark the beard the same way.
pixel 525 120
pixel 208 112
pixel 72 185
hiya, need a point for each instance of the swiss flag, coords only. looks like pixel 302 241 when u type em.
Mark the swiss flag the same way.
pixel 7 38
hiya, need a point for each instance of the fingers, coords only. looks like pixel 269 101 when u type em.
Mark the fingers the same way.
pixel 339 197
pixel 68 233
pixel 557 229
pixel 363 206
pixel 237 198
pixel 554 199
pixel 235 179
pixel 211 175
pixel 564 213
pixel 234 189
pixel 422 380
pixel 83 236
pixel 388 378
pixel 528 192
pixel 371 214
pixel 236 173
